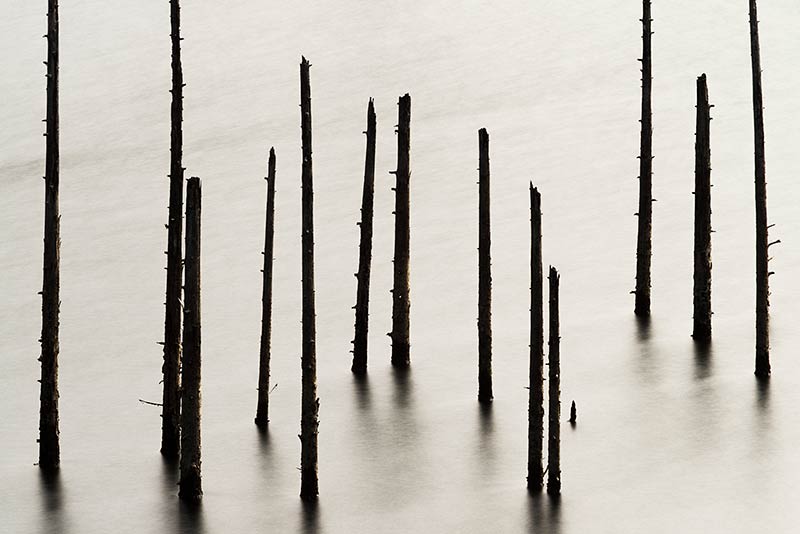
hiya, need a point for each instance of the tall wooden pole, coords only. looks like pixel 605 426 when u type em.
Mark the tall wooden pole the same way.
pixel 644 245
pixel 702 216
pixel 190 482
pixel 360 341
pixel 401 298
pixel 762 229
pixel 309 422
pixel 170 416
pixel 485 394
pixel 262 411
pixel 536 379
pixel 49 446
pixel 554 420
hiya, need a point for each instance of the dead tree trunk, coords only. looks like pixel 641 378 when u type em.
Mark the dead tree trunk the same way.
pixel 401 299
pixel 536 379
pixel 360 341
pixel 309 423
pixel 49 447
pixel 262 412
pixel 762 229
pixel 170 416
pixel 644 245
pixel 485 394
pixel 554 422
pixel 190 482
pixel 702 216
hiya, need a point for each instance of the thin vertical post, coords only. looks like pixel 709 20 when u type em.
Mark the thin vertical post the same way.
pixel 644 244
pixel 262 410
pixel 401 298
pixel 554 422
pixel 171 409
pixel 485 393
pixel 360 341
pixel 309 422
pixel 763 368
pixel 536 369
pixel 191 480
pixel 49 445
pixel 702 216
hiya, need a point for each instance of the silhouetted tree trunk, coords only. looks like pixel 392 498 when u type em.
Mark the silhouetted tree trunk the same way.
pixel 262 412
pixel 536 379
pixel 573 413
pixel 762 231
pixel 644 246
pixel 702 216
pixel 309 424
pixel 190 482
pixel 401 299
pixel 553 427
pixel 485 394
pixel 171 410
pixel 49 447
pixel 365 249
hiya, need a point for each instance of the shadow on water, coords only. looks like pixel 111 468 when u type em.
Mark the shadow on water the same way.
pixel 169 476
pixel 190 518
pixel 544 514
pixel 266 448
pixel 52 493
pixel 309 517
pixel 643 328
pixel 403 387
pixel 762 396
pixel 362 392
pixel 486 444
pixel 703 352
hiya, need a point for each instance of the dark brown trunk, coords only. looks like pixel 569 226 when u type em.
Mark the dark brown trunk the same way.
pixel 401 299
pixel 554 420
pixel 262 412
pixel 365 249
pixel 702 216
pixel 309 422
pixel 644 245
pixel 49 447
pixel 573 413
pixel 170 416
pixel 190 482
pixel 485 394
pixel 536 379
pixel 762 232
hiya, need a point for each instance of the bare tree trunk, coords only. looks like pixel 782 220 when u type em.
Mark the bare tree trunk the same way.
pixel 702 216
pixel 365 249
pixel 401 299
pixel 262 412
pixel 49 447
pixel 553 427
pixel 485 394
pixel 536 379
pixel 644 246
pixel 762 230
pixel 170 416
pixel 190 482
pixel 309 423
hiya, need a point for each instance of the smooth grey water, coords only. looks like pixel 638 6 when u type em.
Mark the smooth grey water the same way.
pixel 669 438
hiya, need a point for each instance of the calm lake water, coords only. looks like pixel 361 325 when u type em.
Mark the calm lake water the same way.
pixel 669 438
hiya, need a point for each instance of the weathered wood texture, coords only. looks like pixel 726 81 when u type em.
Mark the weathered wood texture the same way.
pixel 170 416
pixel 485 393
pixel 763 368
pixel 536 369
pixel 309 421
pixel 702 216
pixel 49 444
pixel 190 481
pixel 401 298
pixel 554 416
pixel 644 245
pixel 360 341
pixel 262 410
